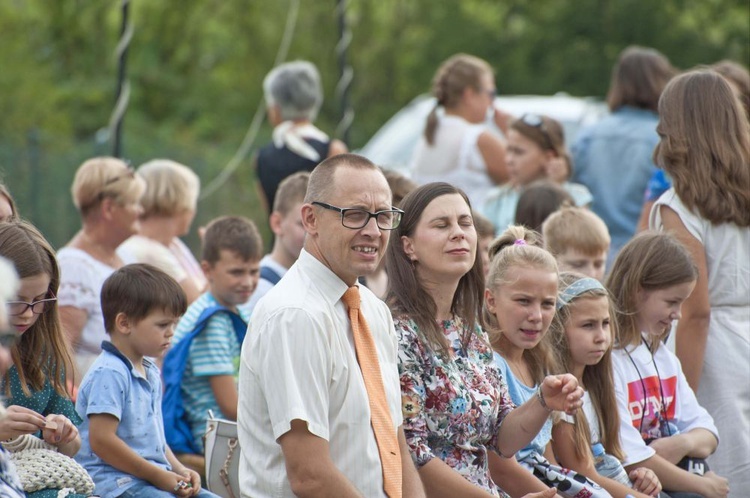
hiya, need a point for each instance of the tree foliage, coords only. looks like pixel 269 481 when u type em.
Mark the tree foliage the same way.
pixel 196 69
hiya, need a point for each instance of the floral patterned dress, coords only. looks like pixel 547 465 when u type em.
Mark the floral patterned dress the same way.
pixel 452 407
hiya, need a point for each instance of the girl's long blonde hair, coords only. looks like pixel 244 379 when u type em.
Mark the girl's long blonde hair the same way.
pixel 506 252
pixel 597 378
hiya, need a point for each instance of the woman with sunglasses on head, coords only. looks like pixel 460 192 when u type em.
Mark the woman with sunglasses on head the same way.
pixel 536 151
pixel 107 193
pixel 34 387
pixel 457 147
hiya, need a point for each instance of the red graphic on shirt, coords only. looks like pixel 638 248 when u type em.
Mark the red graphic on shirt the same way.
pixel 646 411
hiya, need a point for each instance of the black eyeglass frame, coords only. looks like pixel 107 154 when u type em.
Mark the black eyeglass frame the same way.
pixel 395 212
pixel 51 299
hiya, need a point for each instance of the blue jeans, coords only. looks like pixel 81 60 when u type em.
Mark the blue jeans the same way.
pixel 609 466
pixel 142 489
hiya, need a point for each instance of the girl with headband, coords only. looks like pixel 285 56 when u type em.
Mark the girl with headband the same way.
pixel 519 306
pixel 582 333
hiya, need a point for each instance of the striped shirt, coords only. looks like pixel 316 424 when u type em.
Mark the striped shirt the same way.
pixel 215 351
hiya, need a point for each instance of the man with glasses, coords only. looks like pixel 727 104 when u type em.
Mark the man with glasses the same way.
pixel 319 396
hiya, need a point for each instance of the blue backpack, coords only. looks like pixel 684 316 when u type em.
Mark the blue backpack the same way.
pixel 176 426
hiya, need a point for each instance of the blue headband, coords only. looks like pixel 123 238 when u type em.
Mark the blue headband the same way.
pixel 576 289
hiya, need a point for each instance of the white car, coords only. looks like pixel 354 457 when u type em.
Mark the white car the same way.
pixel 393 144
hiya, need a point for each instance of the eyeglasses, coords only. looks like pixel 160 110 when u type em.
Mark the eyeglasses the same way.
pixel 356 218
pixel 16 308
pixel 537 121
pixel 533 120
pixel 129 173
pixel 492 93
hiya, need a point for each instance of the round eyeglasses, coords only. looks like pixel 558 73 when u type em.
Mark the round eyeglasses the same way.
pixel 16 308
pixel 356 218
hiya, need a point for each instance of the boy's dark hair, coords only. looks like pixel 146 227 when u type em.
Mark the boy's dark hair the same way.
pixel 137 290
pixel 538 201
pixel 232 233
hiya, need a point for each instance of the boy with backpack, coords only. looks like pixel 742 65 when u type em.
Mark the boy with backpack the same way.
pixel 200 370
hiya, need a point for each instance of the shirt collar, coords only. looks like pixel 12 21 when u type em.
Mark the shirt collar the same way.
pixel 330 285
pixel 112 349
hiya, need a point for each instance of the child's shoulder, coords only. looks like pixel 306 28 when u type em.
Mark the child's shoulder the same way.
pixel 107 365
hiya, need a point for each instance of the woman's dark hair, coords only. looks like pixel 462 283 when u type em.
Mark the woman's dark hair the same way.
pixel 406 295
pixel 638 79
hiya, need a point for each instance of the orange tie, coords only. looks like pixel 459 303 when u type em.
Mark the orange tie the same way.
pixel 380 416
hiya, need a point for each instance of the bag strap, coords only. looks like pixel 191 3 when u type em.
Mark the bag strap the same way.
pixel 268 273
pixel 232 443
pixel 174 363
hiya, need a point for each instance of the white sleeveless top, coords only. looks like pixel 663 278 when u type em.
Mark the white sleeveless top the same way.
pixel 454 157
pixel 724 388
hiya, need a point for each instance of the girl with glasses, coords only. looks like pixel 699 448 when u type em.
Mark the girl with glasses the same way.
pixel 34 387
pixel 535 151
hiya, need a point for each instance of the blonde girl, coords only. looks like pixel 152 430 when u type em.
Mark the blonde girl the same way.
pixel 519 305
pixel 662 426
pixel 582 334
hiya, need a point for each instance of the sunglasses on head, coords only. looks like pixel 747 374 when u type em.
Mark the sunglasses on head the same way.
pixel 537 121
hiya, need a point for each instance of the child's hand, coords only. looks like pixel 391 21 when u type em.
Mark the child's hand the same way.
pixel 645 481
pixel 59 430
pixel 714 486
pixel 562 393
pixel 19 420
pixel 194 479
pixel 174 483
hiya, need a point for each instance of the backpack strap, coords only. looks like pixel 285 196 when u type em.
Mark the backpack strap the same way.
pixel 178 432
pixel 267 273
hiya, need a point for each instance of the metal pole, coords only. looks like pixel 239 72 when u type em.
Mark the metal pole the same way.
pixel 345 74
pixel 122 91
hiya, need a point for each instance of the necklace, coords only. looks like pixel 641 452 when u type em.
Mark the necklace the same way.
pixel 520 373
pixel 663 408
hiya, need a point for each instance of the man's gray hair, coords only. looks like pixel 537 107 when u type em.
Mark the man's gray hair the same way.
pixel 295 88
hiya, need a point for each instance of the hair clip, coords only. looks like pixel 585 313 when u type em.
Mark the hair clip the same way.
pixel 519 242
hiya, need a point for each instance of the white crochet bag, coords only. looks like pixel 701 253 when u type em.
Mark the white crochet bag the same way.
pixel 40 466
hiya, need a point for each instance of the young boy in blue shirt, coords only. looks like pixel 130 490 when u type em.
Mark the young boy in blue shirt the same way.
pixel 123 445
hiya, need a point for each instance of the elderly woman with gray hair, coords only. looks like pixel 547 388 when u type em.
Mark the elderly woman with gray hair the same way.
pixel 293 97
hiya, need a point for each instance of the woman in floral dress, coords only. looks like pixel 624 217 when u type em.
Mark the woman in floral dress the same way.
pixel 456 405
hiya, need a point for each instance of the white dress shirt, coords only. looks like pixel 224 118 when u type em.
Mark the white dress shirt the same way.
pixel 299 362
